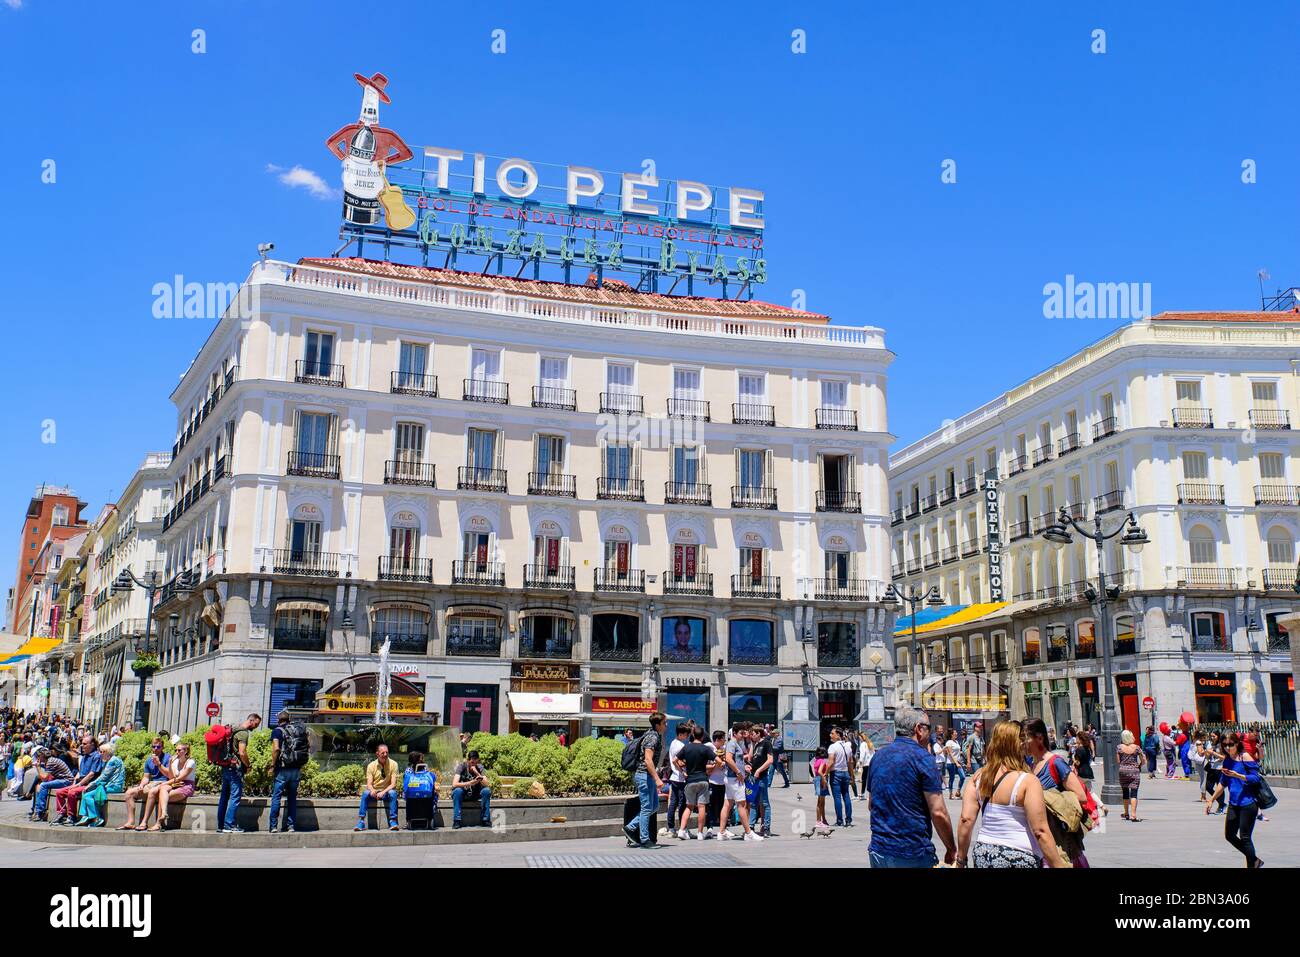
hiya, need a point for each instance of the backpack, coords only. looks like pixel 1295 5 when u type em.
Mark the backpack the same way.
pixel 418 784
pixel 294 746
pixel 220 740
pixel 633 758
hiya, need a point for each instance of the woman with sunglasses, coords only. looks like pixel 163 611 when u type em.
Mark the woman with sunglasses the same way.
pixel 155 773
pixel 1239 776
pixel 178 786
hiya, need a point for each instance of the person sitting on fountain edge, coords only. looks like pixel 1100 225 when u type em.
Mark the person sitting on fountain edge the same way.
pixel 381 785
pixel 469 775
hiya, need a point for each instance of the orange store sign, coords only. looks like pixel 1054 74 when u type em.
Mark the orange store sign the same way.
pixel 618 704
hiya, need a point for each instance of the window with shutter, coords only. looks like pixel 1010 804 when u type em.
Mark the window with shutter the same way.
pixel 1272 465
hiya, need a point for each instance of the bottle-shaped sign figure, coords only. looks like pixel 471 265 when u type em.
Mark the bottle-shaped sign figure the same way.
pixel 366 149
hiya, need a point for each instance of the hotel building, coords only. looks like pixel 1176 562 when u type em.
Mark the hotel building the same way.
pixel 1188 420
pixel 527 489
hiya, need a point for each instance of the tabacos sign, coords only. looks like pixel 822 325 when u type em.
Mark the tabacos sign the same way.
pixel 509 213
pixel 621 704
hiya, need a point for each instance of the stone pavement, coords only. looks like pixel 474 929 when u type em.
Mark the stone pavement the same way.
pixel 1174 833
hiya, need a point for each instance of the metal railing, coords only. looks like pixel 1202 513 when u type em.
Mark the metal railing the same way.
pixel 408 472
pixel 1280 577
pixel 749 413
pixel 1206 576
pixel 474 645
pixel 896 516
pixel 611 579
pixel 1277 495
pixel 315 464
pixel 838 654
pixel 620 488
pixel 555 648
pixel 688 493
pixel 701 583
pixel 1018 464
pixel 603 652
pixel 293 638
pixel 968 486
pixel 494 391
pixel 1270 418
pixel 1068 444
pixel 549 576
pixel 1199 493
pixel 1279 743
pixel 1188 417
pixel 838 501
pixel 753 496
pixel 1106 427
pixel 751 656
pixel 755 586
pixel 845 420
pixel 552 483
pixel 689 409
pixel 554 397
pixel 478 573
pixel 477 479
pixel 844 589
pixel 318 373
pixel 413 383
pixel 401 643
pixel 627 403
pixel 400 568
pixel 1042 454
pixel 291 561
pixel 930 502
pixel 948 554
pixel 1018 530
pixel 1108 501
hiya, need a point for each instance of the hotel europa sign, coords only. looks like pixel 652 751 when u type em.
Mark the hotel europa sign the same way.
pixel 512 216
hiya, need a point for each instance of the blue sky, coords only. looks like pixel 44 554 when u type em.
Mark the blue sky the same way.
pixel 1115 167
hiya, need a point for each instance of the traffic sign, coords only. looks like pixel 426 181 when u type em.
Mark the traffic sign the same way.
pixel 213 709
pixel 1149 703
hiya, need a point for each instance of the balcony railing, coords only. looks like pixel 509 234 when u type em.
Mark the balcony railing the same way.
pixel 554 397
pixel 968 486
pixel 1124 646
pixel 1077 510
pixel 292 561
pixel 494 391
pixel 969 548
pixel 689 409
pixel 975 663
pixel 755 586
pixel 752 496
pixel 930 502
pixel 1207 576
pixel 896 517
pixel 1085 650
pixel 751 656
pixel 838 654
pixel 749 413
pixel 318 373
pixel 620 488
pixel 1270 418
pixel 947 494
pixel 549 576
pixel 1042 454
pixel 298 639
pixel 1058 652
pixel 931 560
pixel 478 573
pixel 1108 501
pixel 896 571
pixel 537 648
pixel 998 661
pixel 477 479
pixel 1106 427
pixel 1211 643
pixel 914 508
pixel 844 589
pixel 845 420
pixel 400 643
pixel 701 583
pixel 1068 444
pixel 626 403
pixel 400 568
pixel 611 579
pixel 1018 530
pixel 688 493
pixel 413 383
pixel 474 645
pixel 685 655
pixel 1042 521
pixel 314 464
pixel 552 483
pixel 1199 493
pixel 1029 656
pixel 948 554
pixel 913 565
pixel 605 652
pixel 835 501
pixel 1280 577
pixel 1277 495
pixel 1018 464
pixel 409 472
pixel 1191 418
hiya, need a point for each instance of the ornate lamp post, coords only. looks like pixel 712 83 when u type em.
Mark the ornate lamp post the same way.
pixel 1133 539
pixel 913 599
pixel 143 645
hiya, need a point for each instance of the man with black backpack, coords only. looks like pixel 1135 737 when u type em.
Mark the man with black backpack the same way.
pixel 642 756
pixel 290 750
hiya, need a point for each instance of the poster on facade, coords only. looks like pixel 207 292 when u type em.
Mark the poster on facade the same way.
pixel 682 638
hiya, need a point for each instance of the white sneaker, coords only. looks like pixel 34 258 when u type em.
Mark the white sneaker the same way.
pixel 665 831
pixel 726 836
pixel 753 836
pixel 701 834
pixel 682 835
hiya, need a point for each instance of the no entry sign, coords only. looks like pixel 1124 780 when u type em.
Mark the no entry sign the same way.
pixel 1149 703
pixel 212 710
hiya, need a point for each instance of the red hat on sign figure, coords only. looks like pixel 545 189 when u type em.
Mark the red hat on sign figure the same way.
pixel 1186 720
pixel 1164 727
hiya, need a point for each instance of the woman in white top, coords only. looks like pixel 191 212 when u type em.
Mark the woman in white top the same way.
pixel 178 786
pixel 865 753
pixel 1014 823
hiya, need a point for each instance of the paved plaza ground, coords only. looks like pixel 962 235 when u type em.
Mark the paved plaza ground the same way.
pixel 1174 833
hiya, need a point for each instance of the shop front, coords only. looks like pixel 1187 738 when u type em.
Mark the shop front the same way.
pixel 1216 696
pixel 755 705
pixel 471 708
pixel 837 709
pixel 545 698
pixel 1130 718
pixel 613 711
pixel 688 704
pixel 961 700
pixel 1283 687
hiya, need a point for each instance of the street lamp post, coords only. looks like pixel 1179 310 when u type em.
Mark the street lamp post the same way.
pixel 913 599
pixel 1133 538
pixel 151 583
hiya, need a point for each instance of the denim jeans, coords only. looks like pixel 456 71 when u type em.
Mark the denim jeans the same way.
pixel 884 860
pixel 485 805
pixel 232 791
pixel 840 788
pixel 645 789
pixel 286 786
pixel 762 785
pixel 390 801
pixel 43 794
pixel 958 773
pixel 778 767
pixel 676 802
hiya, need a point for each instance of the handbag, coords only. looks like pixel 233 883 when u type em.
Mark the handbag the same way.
pixel 1264 796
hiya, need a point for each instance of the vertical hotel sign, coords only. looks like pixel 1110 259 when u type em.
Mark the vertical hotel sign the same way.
pixel 993 534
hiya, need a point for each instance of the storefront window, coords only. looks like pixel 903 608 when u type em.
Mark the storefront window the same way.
pixel 687 705
pixel 406 630
pixel 471 707
pixel 616 637
pixel 757 706
pixel 750 641
pixel 474 635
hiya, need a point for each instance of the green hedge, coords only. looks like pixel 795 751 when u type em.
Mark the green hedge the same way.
pixel 588 766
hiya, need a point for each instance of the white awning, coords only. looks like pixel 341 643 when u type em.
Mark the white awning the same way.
pixel 527 704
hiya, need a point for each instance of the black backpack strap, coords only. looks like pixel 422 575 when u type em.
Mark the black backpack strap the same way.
pixel 985 803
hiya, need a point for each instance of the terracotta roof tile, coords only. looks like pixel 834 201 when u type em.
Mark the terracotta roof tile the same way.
pixel 612 293
pixel 1227 317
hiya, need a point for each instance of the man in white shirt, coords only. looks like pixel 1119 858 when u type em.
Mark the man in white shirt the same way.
pixel 842 762
pixel 677 780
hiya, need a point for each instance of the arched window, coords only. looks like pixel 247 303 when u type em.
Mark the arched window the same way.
pixel 1201 546
pixel 1281 548
pixel 1125 637
pixel 1032 651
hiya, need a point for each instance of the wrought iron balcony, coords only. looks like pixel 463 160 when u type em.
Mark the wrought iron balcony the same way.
pixel 947 494
pixel 549 576
pixel 1211 643
pixel 537 648
pixel 913 565
pixel 1270 418
pixel 620 488
pixel 968 486
pixel 625 403
pixel 400 568
pixel 413 383
pixel 1042 454
pixel 835 501
pixel 1077 510
pixel 845 420
pixel 1085 650
pixel 998 661
pixel 838 654
pixel 318 373
pixel 1019 464
pixel 1042 521
pixel 1124 646
pixel 896 571
pixel 474 645
pixel 896 517
pixel 1199 493
pixel 1058 651
pixel 1018 530
pixel 948 554
pixel 755 586
pixel 293 638
pixel 491 574
pixel 970 547
pixel 485 390
pixel 931 560
pixel 688 493
pixel 1108 501
pixel 1277 495
pixel 1105 428
pixel 930 502
pixel 749 413
pixel 477 479
pixel 1068 444
pixel 914 508
pixel 751 656
pixel 1280 577
pixel 1029 656
pixel 753 496
pixel 554 397
pixel 409 472
pixel 293 561
pixel 689 409
pixel 1192 418
pixel 605 652
pixel 845 589
pixel 975 663
pixel 1206 576
pixel 611 579
pixel 552 483
pixel 401 643
pixel 701 583
pixel 314 464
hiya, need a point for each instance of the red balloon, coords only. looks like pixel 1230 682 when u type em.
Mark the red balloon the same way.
pixel 1164 727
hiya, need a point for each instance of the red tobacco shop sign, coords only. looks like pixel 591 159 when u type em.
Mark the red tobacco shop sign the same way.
pixel 619 704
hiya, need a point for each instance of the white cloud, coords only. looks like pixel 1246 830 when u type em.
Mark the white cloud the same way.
pixel 14 4
pixel 299 176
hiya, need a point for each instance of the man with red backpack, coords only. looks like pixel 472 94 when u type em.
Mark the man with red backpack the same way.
pixel 228 749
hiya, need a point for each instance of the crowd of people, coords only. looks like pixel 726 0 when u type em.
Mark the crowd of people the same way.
pixel 55 762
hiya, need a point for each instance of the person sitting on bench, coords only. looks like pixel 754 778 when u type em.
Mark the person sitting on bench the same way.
pixel 468 775
pixel 381 785
pixel 94 803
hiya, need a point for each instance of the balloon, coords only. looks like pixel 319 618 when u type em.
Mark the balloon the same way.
pixel 1164 727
